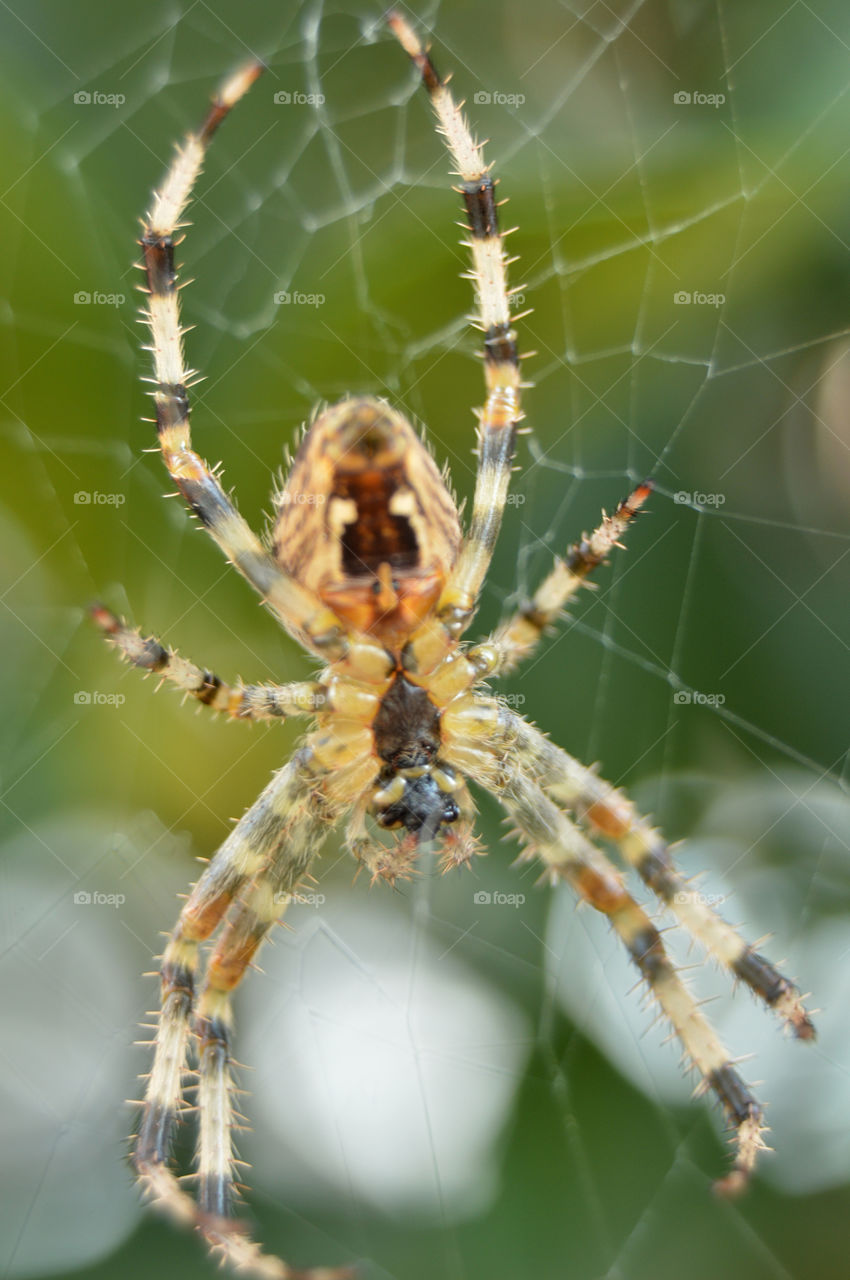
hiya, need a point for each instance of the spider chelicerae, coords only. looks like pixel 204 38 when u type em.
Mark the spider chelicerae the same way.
pixel 369 569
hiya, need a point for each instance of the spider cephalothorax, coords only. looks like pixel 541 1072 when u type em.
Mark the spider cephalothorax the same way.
pixel 370 570
pixel 417 788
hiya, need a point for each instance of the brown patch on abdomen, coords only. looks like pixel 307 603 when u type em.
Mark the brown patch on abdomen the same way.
pixel 376 536
pixel 366 522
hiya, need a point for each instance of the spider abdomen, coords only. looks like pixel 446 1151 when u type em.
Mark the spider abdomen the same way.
pixel 365 520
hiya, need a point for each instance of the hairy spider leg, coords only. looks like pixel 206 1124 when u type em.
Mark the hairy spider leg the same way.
pixel 608 812
pixel 501 414
pixel 242 701
pixel 298 609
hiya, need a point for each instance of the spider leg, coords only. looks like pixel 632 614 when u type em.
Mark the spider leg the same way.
pixel 297 608
pixel 251 844
pixel 261 905
pixel 242 701
pixel 498 419
pixel 310 807
pixel 517 638
pixel 568 854
pixel 252 878
pixel 609 813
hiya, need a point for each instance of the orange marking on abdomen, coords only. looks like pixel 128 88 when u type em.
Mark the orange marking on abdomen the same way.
pixel 377 536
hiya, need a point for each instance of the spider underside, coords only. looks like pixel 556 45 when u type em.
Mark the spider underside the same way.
pixel 369 569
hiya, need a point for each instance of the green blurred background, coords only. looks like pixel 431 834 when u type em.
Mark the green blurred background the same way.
pixel 733 595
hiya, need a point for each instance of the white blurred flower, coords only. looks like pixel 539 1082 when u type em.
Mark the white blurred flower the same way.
pixel 384 1067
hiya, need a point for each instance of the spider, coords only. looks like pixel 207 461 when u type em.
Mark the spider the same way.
pixel 375 577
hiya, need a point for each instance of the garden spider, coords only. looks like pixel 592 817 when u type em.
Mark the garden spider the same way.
pixel 374 576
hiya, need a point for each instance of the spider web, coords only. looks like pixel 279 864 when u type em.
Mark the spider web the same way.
pixel 459 1078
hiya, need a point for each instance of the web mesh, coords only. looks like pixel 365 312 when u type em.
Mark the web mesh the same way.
pixel 458 1078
